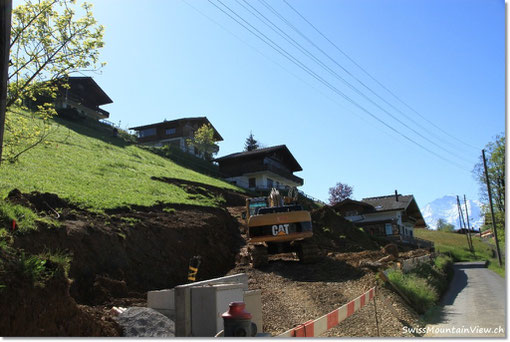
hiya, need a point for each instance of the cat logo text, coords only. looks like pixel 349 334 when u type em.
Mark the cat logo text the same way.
pixel 280 229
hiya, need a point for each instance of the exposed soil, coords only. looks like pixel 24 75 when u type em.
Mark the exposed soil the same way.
pixel 126 252
pixel 119 255
pixel 45 308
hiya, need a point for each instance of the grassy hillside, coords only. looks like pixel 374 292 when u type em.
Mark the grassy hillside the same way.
pixel 456 244
pixel 90 167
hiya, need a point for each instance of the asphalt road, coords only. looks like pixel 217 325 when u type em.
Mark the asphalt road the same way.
pixel 474 305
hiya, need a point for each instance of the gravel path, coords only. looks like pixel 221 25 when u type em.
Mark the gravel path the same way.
pixel 476 299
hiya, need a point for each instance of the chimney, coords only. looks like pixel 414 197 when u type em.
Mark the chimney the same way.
pixel 396 195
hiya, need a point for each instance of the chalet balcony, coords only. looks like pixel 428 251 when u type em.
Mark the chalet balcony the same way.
pixel 257 167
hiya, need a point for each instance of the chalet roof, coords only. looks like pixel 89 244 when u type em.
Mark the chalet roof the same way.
pixel 88 88
pixel 281 151
pixel 385 203
pixel 351 201
pixel 199 119
pixel 404 202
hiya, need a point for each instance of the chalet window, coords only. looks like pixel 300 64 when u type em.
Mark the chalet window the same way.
pixel 147 132
pixel 269 183
pixel 351 213
pixel 170 131
pixel 389 229
pixel 252 182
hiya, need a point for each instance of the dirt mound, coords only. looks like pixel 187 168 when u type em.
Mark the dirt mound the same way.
pixel 42 306
pixel 128 251
pixel 333 232
pixel 37 201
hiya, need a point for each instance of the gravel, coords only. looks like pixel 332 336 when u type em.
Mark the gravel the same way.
pixel 293 293
pixel 145 322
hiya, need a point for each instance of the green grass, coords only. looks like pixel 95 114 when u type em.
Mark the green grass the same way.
pixel 32 267
pixel 25 218
pixel 416 289
pixel 425 284
pixel 456 245
pixel 90 167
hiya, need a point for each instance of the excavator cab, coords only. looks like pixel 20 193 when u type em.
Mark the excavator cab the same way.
pixel 279 225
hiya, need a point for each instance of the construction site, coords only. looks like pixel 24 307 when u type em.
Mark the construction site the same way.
pixel 145 257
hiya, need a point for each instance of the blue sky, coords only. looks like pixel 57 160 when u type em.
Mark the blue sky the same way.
pixel 443 58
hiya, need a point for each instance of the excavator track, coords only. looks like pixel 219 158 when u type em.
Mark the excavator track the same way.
pixel 308 252
pixel 258 255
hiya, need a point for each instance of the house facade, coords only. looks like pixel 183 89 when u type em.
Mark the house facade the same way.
pixel 174 133
pixel 261 169
pixel 392 216
pixel 82 99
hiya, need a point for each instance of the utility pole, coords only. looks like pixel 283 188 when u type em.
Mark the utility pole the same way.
pixel 461 221
pixel 469 229
pixel 5 42
pixel 492 208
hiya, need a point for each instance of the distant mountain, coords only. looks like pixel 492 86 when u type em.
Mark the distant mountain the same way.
pixel 446 208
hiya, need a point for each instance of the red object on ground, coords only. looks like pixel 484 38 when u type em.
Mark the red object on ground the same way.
pixel 13 225
pixel 236 311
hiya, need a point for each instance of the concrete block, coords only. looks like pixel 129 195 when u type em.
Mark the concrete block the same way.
pixel 162 301
pixel 208 303
pixel 253 302
pixel 183 300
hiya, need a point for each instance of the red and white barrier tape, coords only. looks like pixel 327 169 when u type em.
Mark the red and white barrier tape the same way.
pixel 315 328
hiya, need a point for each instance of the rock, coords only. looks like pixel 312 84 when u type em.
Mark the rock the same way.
pixel 391 249
pixel 145 322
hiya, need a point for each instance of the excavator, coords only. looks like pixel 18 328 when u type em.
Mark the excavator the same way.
pixel 277 224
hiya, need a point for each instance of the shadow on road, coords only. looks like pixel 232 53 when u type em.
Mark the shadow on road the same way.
pixel 458 283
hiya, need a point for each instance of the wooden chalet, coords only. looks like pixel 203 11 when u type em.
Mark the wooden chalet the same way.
pixel 174 133
pixel 261 169
pixel 82 99
pixel 394 215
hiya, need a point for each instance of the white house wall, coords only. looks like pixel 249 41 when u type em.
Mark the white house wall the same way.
pixel 381 216
pixel 261 180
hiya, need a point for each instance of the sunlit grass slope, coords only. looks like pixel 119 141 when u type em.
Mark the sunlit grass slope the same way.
pixel 456 244
pixel 93 169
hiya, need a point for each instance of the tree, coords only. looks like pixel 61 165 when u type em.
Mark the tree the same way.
pixel 495 155
pixel 250 143
pixel 203 140
pixel 339 192
pixel 444 226
pixel 49 42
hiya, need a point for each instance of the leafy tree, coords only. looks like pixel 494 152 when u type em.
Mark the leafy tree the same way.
pixel 250 143
pixel 444 226
pixel 203 140
pixel 339 192
pixel 49 42
pixel 495 155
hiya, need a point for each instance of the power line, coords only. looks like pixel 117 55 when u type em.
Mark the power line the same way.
pixel 305 51
pixel 287 70
pixel 284 53
pixel 375 80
